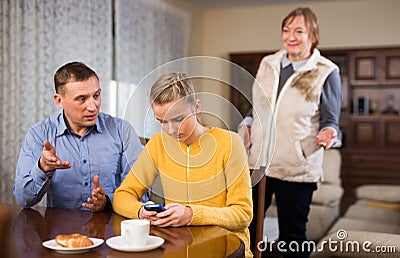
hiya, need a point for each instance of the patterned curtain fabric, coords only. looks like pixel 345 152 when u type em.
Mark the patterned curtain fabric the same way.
pixel 37 37
pixel 148 33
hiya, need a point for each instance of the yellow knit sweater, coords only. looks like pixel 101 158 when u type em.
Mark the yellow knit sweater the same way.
pixel 211 176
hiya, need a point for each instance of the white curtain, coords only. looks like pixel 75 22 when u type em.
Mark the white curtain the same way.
pixel 148 33
pixel 37 37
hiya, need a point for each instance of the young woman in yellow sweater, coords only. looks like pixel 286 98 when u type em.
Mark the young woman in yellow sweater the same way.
pixel 203 170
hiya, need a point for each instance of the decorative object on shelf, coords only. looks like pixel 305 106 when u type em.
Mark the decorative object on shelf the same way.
pixel 374 104
pixel 390 105
pixel 361 105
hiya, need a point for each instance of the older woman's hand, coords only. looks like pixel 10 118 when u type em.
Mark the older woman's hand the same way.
pixel 326 138
pixel 245 133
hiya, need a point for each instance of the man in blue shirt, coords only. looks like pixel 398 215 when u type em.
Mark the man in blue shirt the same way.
pixel 80 156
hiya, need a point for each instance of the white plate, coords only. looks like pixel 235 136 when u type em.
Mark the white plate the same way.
pixel 118 243
pixel 52 244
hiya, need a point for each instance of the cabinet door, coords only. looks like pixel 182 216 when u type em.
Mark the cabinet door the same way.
pixel 391 127
pixel 375 67
pixel 392 66
pixel 365 68
pixel 364 132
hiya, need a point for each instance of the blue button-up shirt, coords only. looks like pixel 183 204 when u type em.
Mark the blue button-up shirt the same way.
pixel 108 149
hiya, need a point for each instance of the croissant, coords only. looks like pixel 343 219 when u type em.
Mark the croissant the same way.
pixel 73 240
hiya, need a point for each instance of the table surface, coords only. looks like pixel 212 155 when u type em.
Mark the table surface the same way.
pixel 22 232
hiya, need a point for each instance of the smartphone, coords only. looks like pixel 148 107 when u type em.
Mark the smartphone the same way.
pixel 154 207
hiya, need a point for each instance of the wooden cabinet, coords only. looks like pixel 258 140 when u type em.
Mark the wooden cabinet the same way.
pixel 371 142
pixel 375 67
pixel 374 132
pixel 363 132
pixel 372 151
pixel 391 129
pixel 372 155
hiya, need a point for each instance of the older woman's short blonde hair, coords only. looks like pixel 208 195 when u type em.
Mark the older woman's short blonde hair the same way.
pixel 311 21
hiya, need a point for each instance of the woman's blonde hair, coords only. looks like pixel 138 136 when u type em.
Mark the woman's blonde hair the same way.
pixel 171 85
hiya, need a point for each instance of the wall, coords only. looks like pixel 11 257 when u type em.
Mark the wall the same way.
pixel 196 28
pixel 344 24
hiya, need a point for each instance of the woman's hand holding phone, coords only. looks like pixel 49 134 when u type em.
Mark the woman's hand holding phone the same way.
pixel 150 210
pixel 173 214
pixel 176 215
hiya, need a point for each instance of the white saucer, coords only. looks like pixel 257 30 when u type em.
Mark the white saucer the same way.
pixel 52 244
pixel 118 243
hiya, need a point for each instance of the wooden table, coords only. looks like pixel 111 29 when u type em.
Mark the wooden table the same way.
pixel 22 232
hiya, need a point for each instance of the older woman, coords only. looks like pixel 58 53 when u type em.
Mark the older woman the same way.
pixel 304 92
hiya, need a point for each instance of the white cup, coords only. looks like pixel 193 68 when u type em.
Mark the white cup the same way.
pixel 135 232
